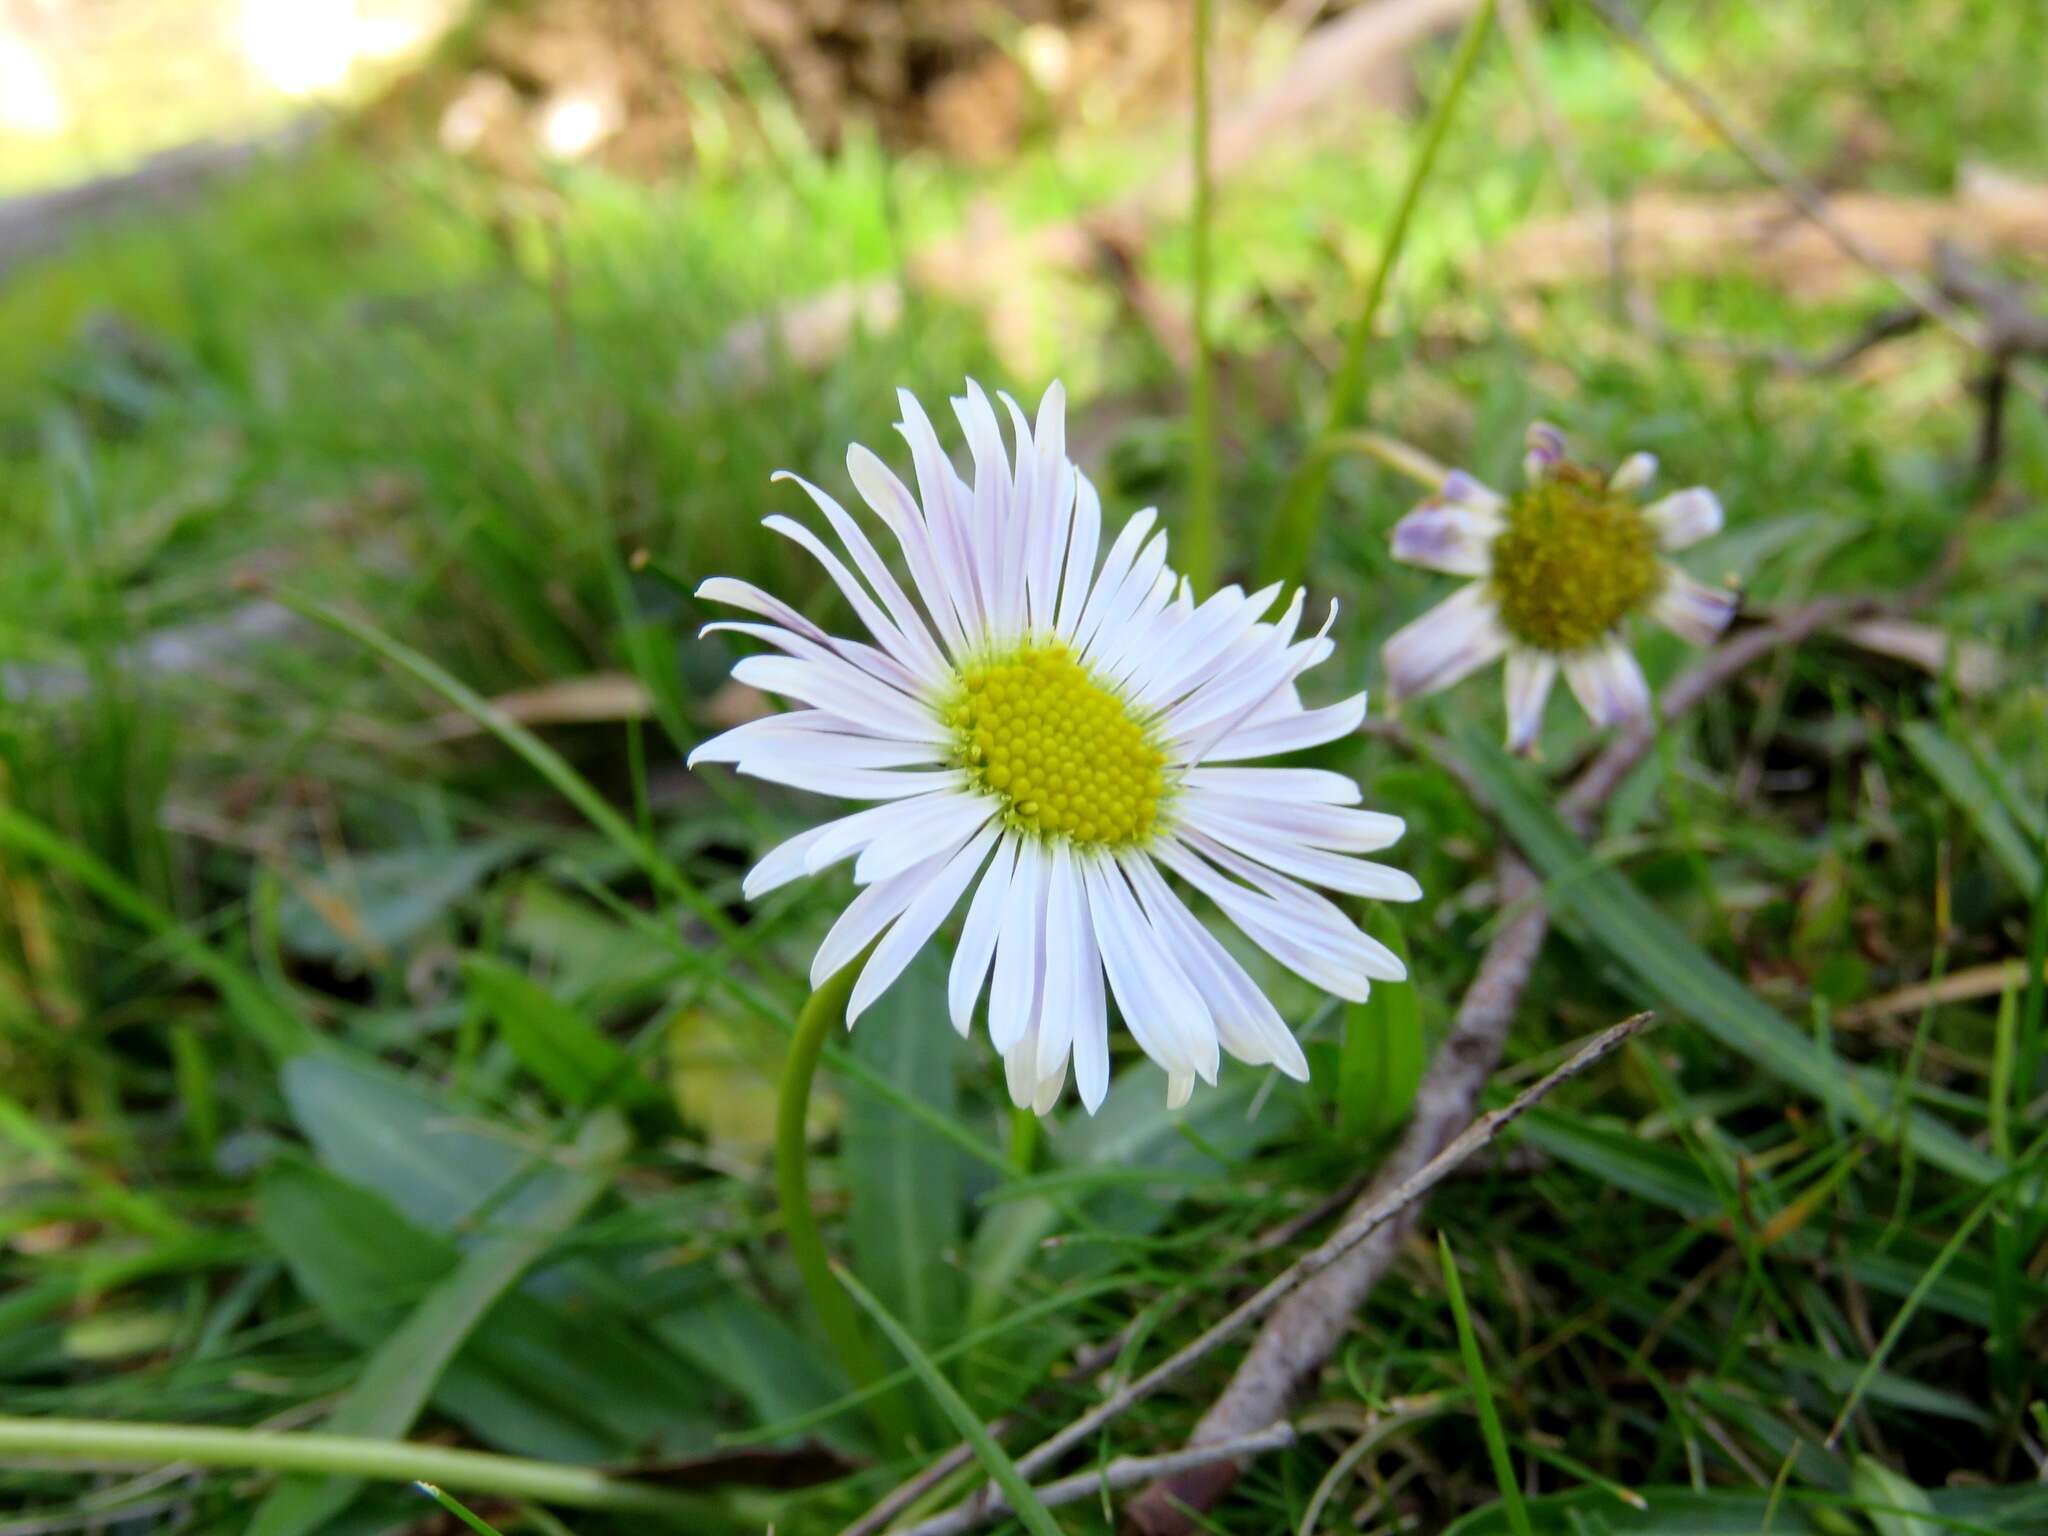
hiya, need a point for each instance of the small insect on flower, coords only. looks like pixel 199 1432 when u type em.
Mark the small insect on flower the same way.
pixel 1048 724
pixel 1560 568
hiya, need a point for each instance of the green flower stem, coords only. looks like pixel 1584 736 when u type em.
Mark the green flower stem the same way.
pixel 1293 530
pixel 95 1443
pixel 824 1011
pixel 1199 549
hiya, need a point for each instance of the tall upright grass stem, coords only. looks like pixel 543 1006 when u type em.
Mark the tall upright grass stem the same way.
pixel 824 1011
pixel 1199 554
pixel 1293 529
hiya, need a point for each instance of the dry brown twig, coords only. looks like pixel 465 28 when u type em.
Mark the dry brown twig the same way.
pixel 1370 1217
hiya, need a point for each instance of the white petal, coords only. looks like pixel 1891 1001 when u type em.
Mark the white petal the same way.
pixel 1116 565
pixel 1310 728
pixel 868 914
pixel 1609 685
pixel 1180 1087
pixel 1177 1008
pixel 1047 1098
pixel 1013 994
pixel 1091 1012
pixel 925 658
pixel 1309 786
pixel 815 735
pixel 862 657
pixel 1692 609
pixel 851 783
pixel 879 624
pixel 847 836
pixel 1066 918
pixel 1447 536
pixel 1110 635
pixel 1114 913
pixel 783 863
pixel 1454 639
pixel 893 503
pixel 1247 1023
pixel 978 937
pixel 1079 577
pixel 1338 828
pixel 740 594
pixel 1530 677
pixel 833 684
pixel 1297 660
pixel 920 920
pixel 1200 649
pixel 951 820
pixel 1685 517
pixel 1633 473
pixel 1333 871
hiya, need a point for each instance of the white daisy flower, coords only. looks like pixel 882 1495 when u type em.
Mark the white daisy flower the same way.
pixel 1050 726
pixel 1560 570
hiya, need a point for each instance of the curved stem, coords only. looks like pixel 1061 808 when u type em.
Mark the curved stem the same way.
pixel 95 1443
pixel 1294 523
pixel 822 1011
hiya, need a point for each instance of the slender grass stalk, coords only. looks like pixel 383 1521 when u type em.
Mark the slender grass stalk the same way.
pixel 995 1461
pixel 1293 530
pixel 821 1014
pixel 1199 549
pixel 1482 1397
pixel 100 1443
pixel 459 1510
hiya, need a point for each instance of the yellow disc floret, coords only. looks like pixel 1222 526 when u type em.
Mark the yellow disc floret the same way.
pixel 1574 560
pixel 1065 755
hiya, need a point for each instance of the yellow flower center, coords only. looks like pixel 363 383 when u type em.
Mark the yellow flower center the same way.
pixel 1064 754
pixel 1574 560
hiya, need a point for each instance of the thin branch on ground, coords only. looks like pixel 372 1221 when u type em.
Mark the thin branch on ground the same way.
pixel 1125 1472
pixel 1781 173
pixel 1399 1197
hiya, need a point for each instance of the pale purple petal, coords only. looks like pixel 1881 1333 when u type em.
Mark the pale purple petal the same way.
pixel 1454 639
pixel 1609 685
pixel 1685 517
pixel 1530 675
pixel 1441 536
pixel 1692 609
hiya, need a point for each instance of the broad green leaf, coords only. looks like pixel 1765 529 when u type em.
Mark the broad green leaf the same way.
pixel 572 1058
pixel 1681 977
pixel 904 1220
pixel 400 1374
pixel 1963 780
pixel 1892 1501
pixel 379 902
pixel 1380 1065
pixel 533 1380
pixel 377 1129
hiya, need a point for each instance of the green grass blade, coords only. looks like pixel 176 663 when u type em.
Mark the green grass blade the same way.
pixel 1379 1066
pixel 1482 1397
pixel 400 1374
pixel 537 754
pixel 277 1027
pixel 1676 972
pixel 459 1510
pixel 1964 781
pixel 994 1460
